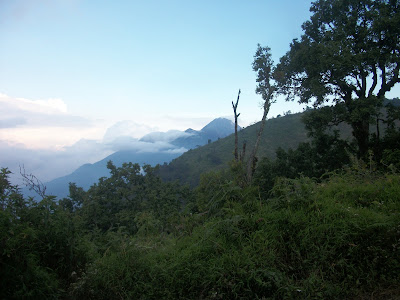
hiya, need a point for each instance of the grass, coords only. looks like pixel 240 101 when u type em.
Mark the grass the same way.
pixel 339 239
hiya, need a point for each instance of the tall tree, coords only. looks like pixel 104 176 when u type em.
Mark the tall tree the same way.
pixel 349 54
pixel 264 66
pixel 236 115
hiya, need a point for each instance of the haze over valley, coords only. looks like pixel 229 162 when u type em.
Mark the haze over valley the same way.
pixel 153 148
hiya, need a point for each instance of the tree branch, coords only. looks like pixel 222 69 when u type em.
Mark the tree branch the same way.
pixel 32 182
pixel 374 81
pixel 382 90
pixel 388 85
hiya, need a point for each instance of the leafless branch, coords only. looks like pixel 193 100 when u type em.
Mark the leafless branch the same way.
pixel 32 182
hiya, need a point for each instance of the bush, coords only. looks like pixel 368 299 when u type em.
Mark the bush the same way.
pixel 331 240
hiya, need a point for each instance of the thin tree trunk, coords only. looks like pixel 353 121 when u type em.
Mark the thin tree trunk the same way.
pixel 236 126
pixel 243 153
pixel 251 164
pixel 264 66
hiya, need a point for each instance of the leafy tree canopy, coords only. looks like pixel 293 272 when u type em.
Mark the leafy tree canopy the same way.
pixel 349 54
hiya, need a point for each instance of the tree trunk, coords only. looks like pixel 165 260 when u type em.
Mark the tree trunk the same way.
pixel 236 115
pixel 251 164
pixel 361 134
pixel 243 153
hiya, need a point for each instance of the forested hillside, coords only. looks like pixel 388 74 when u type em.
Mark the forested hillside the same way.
pixel 285 132
pixel 317 216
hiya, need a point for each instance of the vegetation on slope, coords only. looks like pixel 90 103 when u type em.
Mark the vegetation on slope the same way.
pixel 285 132
pixel 315 223
pixel 337 238
pixel 308 226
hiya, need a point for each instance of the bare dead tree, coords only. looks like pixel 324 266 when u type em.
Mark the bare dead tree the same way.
pixel 236 115
pixel 32 182
pixel 243 153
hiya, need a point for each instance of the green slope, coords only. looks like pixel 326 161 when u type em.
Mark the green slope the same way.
pixel 286 132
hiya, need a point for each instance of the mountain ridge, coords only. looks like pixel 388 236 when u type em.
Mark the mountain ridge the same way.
pixel 285 132
pixel 176 142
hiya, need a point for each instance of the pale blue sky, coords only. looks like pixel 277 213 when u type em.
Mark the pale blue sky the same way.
pixel 143 60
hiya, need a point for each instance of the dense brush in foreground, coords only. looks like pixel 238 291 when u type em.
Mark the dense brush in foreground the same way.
pixel 339 239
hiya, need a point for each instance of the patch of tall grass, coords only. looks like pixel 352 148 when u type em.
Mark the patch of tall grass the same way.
pixel 332 240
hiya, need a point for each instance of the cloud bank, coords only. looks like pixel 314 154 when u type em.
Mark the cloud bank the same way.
pixel 44 138
pixel 41 124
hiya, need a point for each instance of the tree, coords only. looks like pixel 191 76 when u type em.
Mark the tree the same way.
pixel 264 66
pixel 130 191
pixel 236 115
pixel 41 245
pixel 349 54
pixel 11 199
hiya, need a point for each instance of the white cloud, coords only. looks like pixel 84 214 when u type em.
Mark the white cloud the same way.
pixel 49 106
pixel 49 164
pixel 126 128
pixel 43 124
pixel 128 143
pixel 45 138
pixel 124 135
pixel 177 150
pixel 168 136
pixel 49 142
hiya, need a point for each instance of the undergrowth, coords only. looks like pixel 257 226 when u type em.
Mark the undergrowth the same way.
pixel 339 239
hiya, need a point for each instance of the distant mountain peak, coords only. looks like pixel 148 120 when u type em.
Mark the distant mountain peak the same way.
pixel 216 129
pixel 190 130
pixel 219 128
pixel 170 145
pixel 218 122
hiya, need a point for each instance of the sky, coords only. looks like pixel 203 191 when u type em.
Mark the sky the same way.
pixel 77 74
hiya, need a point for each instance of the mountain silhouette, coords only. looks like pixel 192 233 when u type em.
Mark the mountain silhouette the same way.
pixel 216 129
pixel 180 141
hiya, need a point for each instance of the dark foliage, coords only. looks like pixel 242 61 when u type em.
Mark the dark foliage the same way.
pixel 315 223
